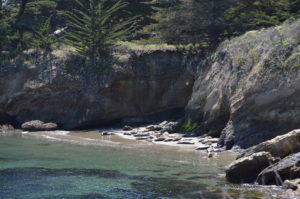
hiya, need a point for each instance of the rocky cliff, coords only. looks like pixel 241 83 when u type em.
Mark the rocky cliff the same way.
pixel 149 83
pixel 249 89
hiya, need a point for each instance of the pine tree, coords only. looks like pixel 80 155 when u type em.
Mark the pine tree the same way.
pixel 43 39
pixel 295 7
pixel 193 21
pixel 248 15
pixel 94 30
pixel 6 33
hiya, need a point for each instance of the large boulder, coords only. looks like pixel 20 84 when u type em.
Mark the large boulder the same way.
pixel 141 85
pixel 37 125
pixel 286 169
pixel 246 170
pixel 250 87
pixel 280 147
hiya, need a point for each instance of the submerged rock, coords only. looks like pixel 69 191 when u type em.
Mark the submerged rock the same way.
pixel 246 170
pixel 37 125
pixel 286 169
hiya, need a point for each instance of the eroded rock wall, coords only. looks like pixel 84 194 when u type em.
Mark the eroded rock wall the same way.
pixel 146 84
pixel 249 89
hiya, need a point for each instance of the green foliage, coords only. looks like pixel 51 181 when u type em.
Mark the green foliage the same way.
pixel 6 31
pixel 188 125
pixel 295 7
pixel 247 15
pixel 95 26
pixel 42 37
pixel 195 21
pixel 5 58
pixel 94 30
pixel 212 21
pixel 214 133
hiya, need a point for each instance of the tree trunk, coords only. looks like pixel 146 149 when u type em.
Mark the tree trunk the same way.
pixel 22 9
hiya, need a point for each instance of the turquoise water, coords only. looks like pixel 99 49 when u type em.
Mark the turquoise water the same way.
pixel 33 166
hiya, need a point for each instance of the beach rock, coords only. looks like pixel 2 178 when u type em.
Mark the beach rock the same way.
pixel 143 138
pixel 160 139
pixel 176 139
pixel 216 150
pixel 286 169
pixel 107 133
pixel 154 128
pixel 213 140
pixel 188 142
pixel 127 128
pixel 246 170
pixel 291 184
pixel 215 145
pixel 169 140
pixel 141 134
pixel 37 125
pixel 281 146
pixel 202 147
pixel 6 127
pixel 189 135
pixel 127 133
pixel 164 123
pixel 170 127
pixel 165 133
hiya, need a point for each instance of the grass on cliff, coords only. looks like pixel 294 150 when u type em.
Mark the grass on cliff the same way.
pixel 188 125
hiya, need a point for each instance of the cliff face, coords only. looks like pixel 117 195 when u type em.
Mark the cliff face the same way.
pixel 149 83
pixel 249 89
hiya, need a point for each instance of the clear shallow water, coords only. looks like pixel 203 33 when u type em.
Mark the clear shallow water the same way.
pixel 46 165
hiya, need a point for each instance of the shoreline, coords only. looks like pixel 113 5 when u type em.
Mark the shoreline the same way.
pixel 139 135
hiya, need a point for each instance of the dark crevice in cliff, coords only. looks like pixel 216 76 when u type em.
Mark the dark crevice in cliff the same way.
pixel 137 120
pixel 7 119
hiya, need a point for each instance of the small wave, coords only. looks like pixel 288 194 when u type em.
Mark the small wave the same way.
pixel 57 132
pixel 51 138
pixel 47 132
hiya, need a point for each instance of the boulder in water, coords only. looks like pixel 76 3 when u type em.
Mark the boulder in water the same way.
pixel 286 169
pixel 246 170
